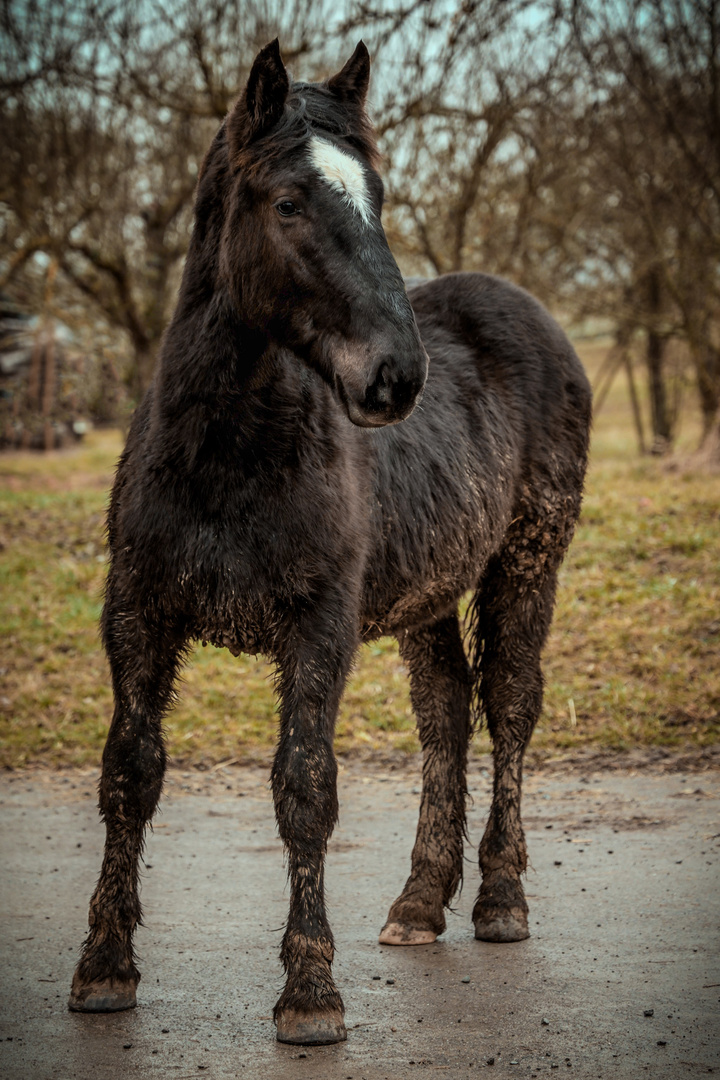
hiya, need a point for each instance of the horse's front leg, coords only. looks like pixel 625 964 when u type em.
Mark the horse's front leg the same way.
pixel 304 780
pixel 144 660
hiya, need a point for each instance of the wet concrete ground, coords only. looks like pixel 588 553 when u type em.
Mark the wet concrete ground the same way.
pixel 623 891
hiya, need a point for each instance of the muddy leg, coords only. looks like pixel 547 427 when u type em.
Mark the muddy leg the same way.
pixel 516 620
pixel 143 664
pixel 304 778
pixel 440 693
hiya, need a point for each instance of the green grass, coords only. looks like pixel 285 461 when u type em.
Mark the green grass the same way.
pixel 635 644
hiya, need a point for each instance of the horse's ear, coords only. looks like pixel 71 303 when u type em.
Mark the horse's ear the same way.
pixel 262 103
pixel 351 84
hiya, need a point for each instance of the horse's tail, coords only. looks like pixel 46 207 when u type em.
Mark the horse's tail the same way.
pixel 474 634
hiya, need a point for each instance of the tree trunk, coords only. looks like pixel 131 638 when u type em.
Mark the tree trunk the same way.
pixel 709 388
pixel 662 434
pixel 708 456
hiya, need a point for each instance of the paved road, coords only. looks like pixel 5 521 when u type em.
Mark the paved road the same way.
pixel 624 903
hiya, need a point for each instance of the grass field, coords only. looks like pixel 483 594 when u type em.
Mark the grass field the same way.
pixel 633 659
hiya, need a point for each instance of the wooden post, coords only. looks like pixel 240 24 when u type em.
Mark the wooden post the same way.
pixel 50 379
pixel 49 388
pixel 635 402
pixel 610 367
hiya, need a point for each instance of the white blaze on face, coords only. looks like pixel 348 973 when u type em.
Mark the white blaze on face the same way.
pixel 344 174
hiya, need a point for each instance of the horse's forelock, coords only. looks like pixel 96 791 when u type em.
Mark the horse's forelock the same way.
pixel 310 110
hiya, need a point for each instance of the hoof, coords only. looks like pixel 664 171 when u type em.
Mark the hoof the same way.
pixel 308 1029
pixel 502 926
pixel 395 933
pixel 108 995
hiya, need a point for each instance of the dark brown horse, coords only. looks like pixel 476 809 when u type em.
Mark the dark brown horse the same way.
pixel 269 501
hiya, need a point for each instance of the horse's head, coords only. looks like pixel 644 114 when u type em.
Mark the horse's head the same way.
pixel 303 249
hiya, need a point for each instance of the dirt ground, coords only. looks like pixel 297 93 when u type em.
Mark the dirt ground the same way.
pixel 624 899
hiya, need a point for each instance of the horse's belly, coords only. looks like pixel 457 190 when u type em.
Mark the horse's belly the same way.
pixel 414 591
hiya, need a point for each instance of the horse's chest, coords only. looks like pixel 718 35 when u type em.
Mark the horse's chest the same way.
pixel 243 590
pixel 246 579
pixel 249 625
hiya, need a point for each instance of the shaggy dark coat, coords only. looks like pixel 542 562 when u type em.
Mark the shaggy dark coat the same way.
pixel 249 511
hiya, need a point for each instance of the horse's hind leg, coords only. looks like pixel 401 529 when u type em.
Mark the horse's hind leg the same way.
pixel 440 693
pixel 143 662
pixel 514 613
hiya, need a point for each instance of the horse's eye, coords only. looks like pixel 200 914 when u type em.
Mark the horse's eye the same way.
pixel 286 208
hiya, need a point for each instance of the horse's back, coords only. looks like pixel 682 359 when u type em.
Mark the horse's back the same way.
pixel 496 344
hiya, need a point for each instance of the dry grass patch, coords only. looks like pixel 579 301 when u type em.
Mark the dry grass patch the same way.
pixel 633 658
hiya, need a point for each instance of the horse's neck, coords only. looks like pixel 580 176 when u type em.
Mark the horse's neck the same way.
pixel 213 370
pixel 220 385
pixel 209 357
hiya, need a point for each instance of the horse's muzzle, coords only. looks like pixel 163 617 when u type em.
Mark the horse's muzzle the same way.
pixel 390 395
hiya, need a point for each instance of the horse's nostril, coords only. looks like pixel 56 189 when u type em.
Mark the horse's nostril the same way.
pixel 381 389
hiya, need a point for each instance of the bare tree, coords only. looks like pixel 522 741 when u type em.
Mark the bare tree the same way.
pixel 462 88
pixel 103 151
pixel 654 69
pixel 572 147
